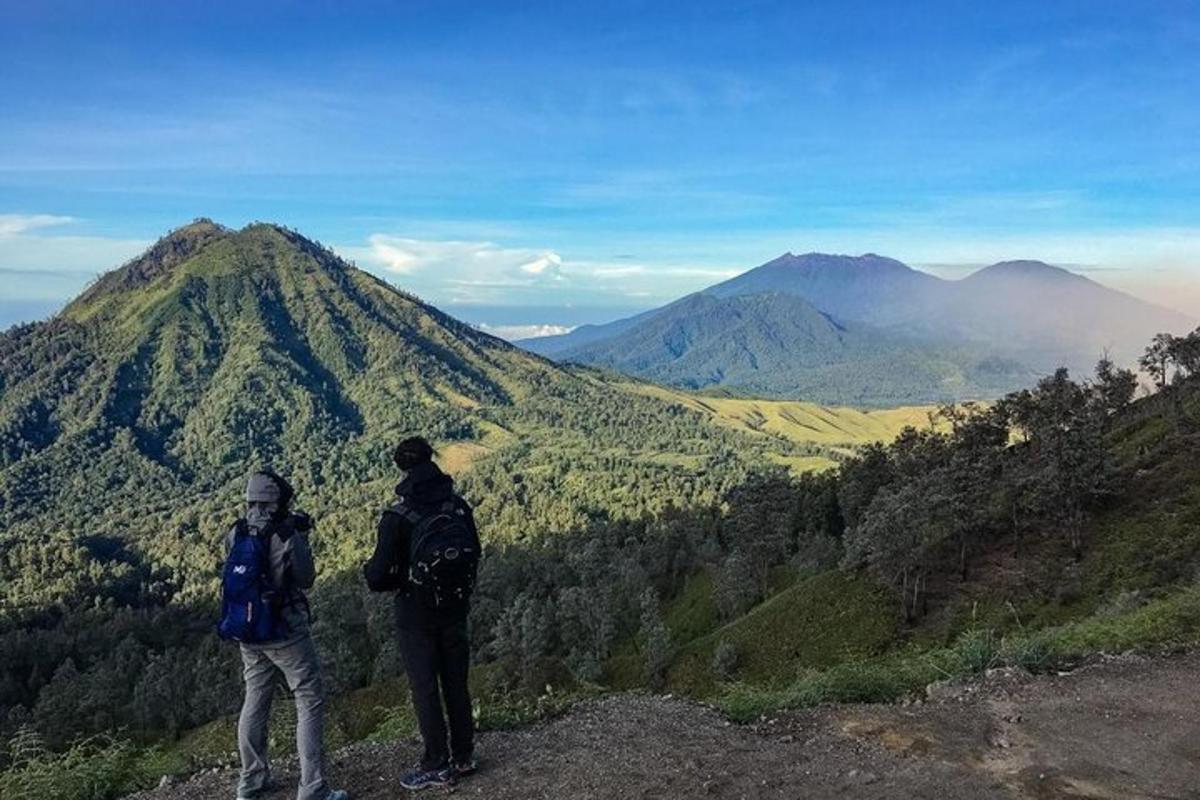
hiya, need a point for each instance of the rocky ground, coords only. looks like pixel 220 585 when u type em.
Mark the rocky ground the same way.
pixel 1123 728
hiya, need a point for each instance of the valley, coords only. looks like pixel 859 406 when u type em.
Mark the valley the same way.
pixel 757 555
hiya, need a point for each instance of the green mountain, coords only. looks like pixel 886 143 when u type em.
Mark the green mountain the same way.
pixel 216 347
pixel 636 536
pixel 775 343
pixel 129 421
pixel 144 403
pixel 924 338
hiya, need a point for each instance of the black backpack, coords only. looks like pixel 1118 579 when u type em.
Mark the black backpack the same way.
pixel 443 554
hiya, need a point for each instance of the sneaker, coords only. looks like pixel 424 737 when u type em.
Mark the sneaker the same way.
pixel 267 788
pixel 425 778
pixel 464 768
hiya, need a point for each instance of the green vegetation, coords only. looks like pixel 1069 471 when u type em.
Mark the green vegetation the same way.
pixel 820 621
pixel 1173 621
pixel 636 536
pixel 778 344
pixel 840 428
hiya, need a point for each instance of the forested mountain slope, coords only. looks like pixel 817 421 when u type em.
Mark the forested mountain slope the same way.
pixel 129 421
pixel 636 536
pixel 920 338
pixel 777 343
pixel 143 404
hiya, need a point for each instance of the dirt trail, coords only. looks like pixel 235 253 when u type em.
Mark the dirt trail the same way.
pixel 1126 728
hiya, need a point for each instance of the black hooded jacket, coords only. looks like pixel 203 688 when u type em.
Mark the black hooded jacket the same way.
pixel 424 487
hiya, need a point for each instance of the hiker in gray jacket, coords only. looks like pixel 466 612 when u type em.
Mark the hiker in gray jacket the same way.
pixel 268 566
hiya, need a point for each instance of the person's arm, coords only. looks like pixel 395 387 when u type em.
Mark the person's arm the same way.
pixel 292 564
pixel 227 545
pixel 298 559
pixel 387 569
pixel 471 520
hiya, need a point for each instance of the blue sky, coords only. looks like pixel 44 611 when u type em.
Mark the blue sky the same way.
pixel 549 164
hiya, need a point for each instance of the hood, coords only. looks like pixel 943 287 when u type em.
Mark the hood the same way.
pixel 425 484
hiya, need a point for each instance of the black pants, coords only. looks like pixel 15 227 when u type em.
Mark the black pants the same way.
pixel 436 654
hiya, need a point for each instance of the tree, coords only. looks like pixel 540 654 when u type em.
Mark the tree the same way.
pixel 734 587
pixel 1114 387
pixel 968 477
pixel 894 541
pixel 1070 462
pixel 1157 358
pixel 587 629
pixel 860 479
pixel 656 649
pixel 1185 352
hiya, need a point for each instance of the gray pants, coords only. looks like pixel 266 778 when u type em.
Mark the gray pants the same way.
pixel 298 663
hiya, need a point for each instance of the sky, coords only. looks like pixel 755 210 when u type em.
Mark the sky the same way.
pixel 533 166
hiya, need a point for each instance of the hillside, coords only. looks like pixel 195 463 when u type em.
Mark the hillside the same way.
pixel 218 350
pixel 911 336
pixel 870 288
pixel 775 343
pixel 637 537
pixel 129 421
pixel 1121 728
pixel 843 430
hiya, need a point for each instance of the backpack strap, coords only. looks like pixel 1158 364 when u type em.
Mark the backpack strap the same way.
pixel 409 514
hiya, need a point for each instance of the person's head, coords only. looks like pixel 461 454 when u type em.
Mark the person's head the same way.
pixel 268 497
pixel 411 453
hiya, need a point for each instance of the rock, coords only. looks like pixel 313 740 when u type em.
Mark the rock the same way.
pixel 856 777
pixel 946 690
pixel 165 780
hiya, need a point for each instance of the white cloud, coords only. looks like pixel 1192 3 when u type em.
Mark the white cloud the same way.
pixel 395 254
pixel 459 259
pixel 16 224
pixel 1159 263
pixel 514 332
pixel 58 267
pixel 464 271
pixel 549 263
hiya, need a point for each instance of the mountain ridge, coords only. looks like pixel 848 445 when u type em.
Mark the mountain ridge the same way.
pixel 779 343
pixel 1023 311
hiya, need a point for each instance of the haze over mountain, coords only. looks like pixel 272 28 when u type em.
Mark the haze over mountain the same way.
pixel 982 335
pixel 774 342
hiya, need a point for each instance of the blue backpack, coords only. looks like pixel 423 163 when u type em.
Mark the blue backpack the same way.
pixel 250 605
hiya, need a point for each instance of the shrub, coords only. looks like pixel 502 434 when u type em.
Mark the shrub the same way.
pixel 98 768
pixel 978 650
pixel 1032 653
pixel 725 660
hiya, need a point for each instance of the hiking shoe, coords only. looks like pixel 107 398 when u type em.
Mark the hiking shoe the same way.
pixel 426 778
pixel 337 794
pixel 267 788
pixel 464 768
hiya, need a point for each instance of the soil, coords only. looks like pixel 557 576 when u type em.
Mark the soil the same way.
pixel 1122 728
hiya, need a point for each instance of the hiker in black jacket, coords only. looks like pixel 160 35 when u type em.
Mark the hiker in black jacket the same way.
pixel 428 527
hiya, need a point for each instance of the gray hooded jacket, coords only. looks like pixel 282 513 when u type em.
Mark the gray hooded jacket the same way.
pixel 292 571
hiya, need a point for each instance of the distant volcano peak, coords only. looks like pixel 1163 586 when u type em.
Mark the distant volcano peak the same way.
pixel 821 261
pixel 1026 269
